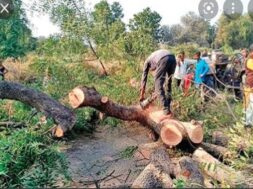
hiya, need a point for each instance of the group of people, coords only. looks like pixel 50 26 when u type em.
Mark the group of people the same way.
pixel 165 66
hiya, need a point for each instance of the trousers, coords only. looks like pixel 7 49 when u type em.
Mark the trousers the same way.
pixel 165 68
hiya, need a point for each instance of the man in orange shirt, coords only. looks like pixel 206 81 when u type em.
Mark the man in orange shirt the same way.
pixel 248 91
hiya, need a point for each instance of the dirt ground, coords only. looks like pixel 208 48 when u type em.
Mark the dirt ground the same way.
pixel 97 161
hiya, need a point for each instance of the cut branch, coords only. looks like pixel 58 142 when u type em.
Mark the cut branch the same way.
pixel 63 117
pixel 218 171
pixel 172 132
pixel 98 58
pixel 217 151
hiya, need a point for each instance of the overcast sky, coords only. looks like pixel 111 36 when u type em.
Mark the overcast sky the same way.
pixel 170 10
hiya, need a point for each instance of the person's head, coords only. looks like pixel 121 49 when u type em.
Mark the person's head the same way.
pixel 251 51
pixel 205 53
pixel 245 53
pixel 197 55
pixel 181 56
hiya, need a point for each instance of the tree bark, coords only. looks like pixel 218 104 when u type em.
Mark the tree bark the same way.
pixel 145 150
pixel 63 117
pixel 171 131
pixel 188 170
pixel 219 138
pixel 157 173
pixel 218 171
pixel 218 152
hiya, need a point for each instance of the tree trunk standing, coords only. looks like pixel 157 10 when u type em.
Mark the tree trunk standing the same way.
pixel 172 132
pixel 63 117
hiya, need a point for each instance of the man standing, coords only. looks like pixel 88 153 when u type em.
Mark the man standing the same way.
pixel 248 91
pixel 201 72
pixel 162 63
pixel 181 69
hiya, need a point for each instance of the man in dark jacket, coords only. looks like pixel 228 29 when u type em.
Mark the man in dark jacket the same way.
pixel 162 63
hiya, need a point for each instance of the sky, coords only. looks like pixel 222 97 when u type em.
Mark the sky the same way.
pixel 170 10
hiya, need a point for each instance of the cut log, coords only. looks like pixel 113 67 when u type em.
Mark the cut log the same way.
pixel 145 150
pixel 218 152
pixel 188 170
pixel 63 117
pixel 218 171
pixel 172 132
pixel 219 138
pixel 157 173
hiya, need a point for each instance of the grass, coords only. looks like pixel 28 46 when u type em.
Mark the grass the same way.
pixel 128 152
pixel 30 159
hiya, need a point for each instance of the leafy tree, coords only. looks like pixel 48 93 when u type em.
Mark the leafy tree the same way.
pixel 15 37
pixel 234 33
pixel 117 11
pixel 107 27
pixel 195 29
pixel 143 36
pixel 99 29
pixel 147 22
pixel 165 34
pixel 176 34
pixel 212 31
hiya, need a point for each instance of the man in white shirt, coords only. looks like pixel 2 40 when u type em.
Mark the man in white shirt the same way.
pixel 181 69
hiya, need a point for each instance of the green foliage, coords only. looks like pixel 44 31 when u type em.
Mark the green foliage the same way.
pixel 107 27
pixel 235 33
pixel 15 36
pixel 128 152
pixel 195 29
pixel 147 21
pixel 240 144
pixel 68 46
pixel 179 183
pixel 29 159
pixel 189 49
pixel 85 121
pixel 192 29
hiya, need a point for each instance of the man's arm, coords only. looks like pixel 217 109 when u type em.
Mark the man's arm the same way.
pixel 144 79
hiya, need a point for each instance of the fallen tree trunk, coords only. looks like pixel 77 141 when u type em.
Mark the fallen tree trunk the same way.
pixel 171 132
pixel 218 152
pixel 63 117
pixel 218 171
pixel 219 138
pixel 157 173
